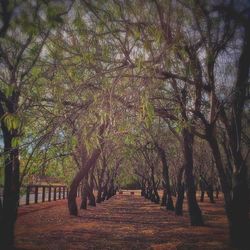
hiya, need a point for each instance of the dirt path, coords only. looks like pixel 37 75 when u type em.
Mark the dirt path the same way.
pixel 123 222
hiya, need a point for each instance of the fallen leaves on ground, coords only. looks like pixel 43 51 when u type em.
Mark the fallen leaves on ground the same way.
pixel 123 222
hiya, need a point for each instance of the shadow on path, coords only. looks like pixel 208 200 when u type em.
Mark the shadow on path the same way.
pixel 123 222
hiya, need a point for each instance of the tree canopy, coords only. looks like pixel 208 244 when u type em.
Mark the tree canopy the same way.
pixel 126 94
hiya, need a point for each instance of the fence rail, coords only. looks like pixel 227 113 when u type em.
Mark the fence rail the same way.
pixel 43 193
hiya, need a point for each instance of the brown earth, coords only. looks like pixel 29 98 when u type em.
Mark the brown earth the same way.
pixel 123 222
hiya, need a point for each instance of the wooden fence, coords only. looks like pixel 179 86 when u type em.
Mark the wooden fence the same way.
pixel 41 193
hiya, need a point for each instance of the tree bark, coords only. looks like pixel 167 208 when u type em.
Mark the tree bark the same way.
pixel 11 191
pixel 166 182
pixel 164 197
pixel 210 193
pixel 84 193
pixel 237 205
pixel 105 192
pixel 180 193
pixel 239 224
pixel 225 186
pixel 154 195
pixel 143 188
pixel 91 195
pixel 193 207
pixel 100 181
pixel 72 205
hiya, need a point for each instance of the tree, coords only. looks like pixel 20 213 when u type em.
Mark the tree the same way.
pixel 23 36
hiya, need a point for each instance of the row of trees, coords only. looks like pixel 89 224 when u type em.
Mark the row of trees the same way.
pixel 96 91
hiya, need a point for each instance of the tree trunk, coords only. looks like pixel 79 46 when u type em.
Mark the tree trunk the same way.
pixel 100 181
pixel 237 205
pixel 72 205
pixel 202 184
pixel 143 188
pixel 210 193
pixel 154 196
pixel 179 200
pixel 202 195
pixel 217 193
pixel 84 193
pixel 91 195
pixel 166 182
pixel 164 197
pixel 193 207
pixel 147 195
pixel 219 165
pixel 180 193
pixel 239 224
pixel 105 192
pixel 110 190
pixel 99 194
pixel 11 191
pixel 239 220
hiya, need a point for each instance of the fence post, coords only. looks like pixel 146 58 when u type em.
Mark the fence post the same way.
pixel 28 195
pixel 60 193
pixel 43 195
pixel 49 199
pixel 36 194
pixel 54 193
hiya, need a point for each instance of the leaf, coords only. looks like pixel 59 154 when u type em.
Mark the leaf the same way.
pixel 73 141
pixel 53 15
pixel 129 139
pixel 11 121
pixel 27 25
pixel 36 71
pixel 78 22
pixel 178 128
pixel 137 34
pixel 34 50
pixel 149 114
pixel 8 90
pixel 14 142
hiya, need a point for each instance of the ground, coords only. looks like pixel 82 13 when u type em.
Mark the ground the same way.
pixel 123 222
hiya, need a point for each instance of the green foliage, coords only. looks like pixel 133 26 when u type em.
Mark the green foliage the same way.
pixel 54 13
pixel 24 20
pixel 148 113
pixel 11 121
pixel 127 179
pixel 15 142
pixel 99 65
pixel 129 140
pixel 8 90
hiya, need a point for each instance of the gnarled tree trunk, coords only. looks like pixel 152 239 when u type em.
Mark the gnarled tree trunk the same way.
pixel 91 195
pixel 193 207
pixel 72 205
pixel 9 207
pixel 154 195
pixel 180 193
pixel 100 181
pixel 84 193
pixel 167 195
